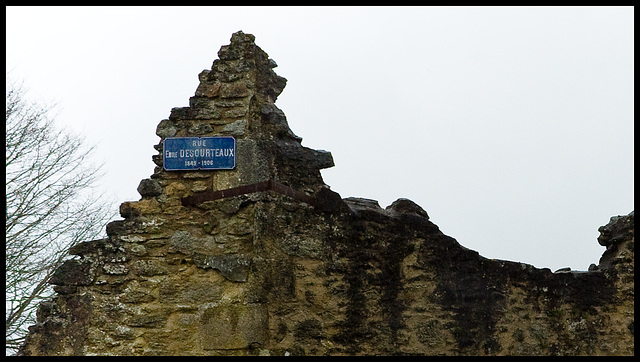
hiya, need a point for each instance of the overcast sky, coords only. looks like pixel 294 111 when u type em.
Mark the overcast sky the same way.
pixel 511 126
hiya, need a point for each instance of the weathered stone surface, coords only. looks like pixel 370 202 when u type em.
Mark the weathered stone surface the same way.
pixel 149 187
pixel 166 128
pixel 74 272
pixel 267 274
pixel 232 266
pixel 200 129
pixel 115 269
pixel 236 128
pixel 406 207
pixel 614 236
pixel 234 326
pixel 618 229
pixel 328 200
pixel 148 268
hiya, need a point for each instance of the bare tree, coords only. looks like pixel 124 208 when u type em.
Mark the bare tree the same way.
pixel 50 206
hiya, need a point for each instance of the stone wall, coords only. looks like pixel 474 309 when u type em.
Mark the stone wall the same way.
pixel 264 273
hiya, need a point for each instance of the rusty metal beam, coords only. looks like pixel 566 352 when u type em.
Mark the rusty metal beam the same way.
pixel 269 185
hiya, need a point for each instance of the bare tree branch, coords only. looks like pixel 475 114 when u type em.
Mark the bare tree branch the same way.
pixel 49 206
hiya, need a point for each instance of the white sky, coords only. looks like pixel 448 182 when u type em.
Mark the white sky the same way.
pixel 511 126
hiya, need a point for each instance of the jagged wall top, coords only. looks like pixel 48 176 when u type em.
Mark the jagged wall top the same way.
pixel 236 98
pixel 248 56
pixel 269 275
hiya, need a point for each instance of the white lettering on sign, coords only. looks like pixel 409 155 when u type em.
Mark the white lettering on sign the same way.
pixel 202 152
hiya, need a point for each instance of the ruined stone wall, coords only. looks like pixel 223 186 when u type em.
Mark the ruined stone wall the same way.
pixel 264 273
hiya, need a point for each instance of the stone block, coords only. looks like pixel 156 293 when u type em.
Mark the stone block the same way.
pixel 234 90
pixel 235 113
pixel 200 129
pixel 166 128
pixel 149 268
pixel 183 290
pixel 115 269
pixel 208 90
pixel 137 296
pixel 236 128
pixel 148 319
pixel 256 167
pixel 234 326
pixel 234 267
pixel 73 272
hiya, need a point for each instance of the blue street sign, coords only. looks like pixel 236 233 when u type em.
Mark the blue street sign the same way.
pixel 199 153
